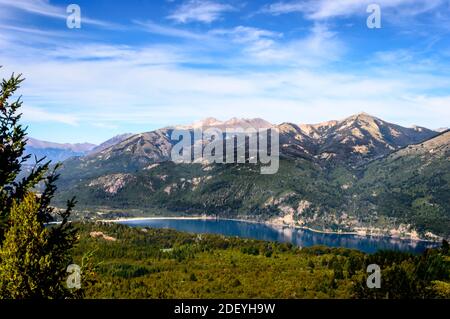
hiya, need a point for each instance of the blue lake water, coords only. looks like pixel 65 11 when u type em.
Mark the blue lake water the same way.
pixel 298 237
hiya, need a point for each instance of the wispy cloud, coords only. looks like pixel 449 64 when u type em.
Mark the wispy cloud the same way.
pixel 32 31
pixel 243 34
pixel 39 115
pixel 278 8
pixel 324 9
pixel 40 7
pixel 204 11
pixel 44 8
pixel 319 46
pixel 155 28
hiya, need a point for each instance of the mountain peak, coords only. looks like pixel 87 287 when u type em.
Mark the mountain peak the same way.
pixel 231 123
pixel 362 116
pixel 245 123
pixel 206 122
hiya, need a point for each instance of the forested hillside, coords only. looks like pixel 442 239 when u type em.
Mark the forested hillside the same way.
pixel 160 263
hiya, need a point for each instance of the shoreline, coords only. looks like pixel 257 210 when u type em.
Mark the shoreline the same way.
pixel 267 223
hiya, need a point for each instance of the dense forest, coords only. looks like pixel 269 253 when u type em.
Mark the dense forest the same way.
pixel 160 263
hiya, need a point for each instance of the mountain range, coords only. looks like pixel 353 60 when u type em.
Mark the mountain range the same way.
pixel 359 174
pixel 58 152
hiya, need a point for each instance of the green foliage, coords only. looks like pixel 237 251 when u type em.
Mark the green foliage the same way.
pixel 30 265
pixel 24 254
pixel 12 145
pixel 193 277
pixel 250 250
pixel 409 276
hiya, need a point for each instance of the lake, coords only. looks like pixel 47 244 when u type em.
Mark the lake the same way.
pixel 298 237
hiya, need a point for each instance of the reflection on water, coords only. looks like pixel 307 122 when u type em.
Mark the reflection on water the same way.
pixel 298 237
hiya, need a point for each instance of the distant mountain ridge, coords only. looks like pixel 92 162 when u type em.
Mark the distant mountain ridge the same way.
pixel 355 140
pixel 55 152
pixel 77 147
pixel 59 152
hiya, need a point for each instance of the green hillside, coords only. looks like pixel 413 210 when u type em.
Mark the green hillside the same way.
pixel 412 185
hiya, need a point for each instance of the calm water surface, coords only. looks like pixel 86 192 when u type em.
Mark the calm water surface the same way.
pixel 298 237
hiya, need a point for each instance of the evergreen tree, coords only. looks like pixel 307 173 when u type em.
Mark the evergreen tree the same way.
pixel 30 267
pixel 12 147
pixel 33 257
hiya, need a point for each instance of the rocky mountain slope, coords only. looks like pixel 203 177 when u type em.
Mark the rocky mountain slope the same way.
pixel 355 140
pixel 111 142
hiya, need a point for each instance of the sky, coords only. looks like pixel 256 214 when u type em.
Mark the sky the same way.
pixel 136 65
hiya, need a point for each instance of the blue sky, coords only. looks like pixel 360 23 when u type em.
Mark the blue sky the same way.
pixel 139 65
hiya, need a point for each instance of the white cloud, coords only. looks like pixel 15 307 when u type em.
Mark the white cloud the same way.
pixel 39 115
pixel 278 8
pixel 33 31
pixel 204 11
pixel 242 34
pixel 319 47
pixel 324 9
pixel 152 55
pixel 44 8
pixel 105 126
pixel 155 28
pixel 40 7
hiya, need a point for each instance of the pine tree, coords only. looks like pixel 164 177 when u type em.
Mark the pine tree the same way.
pixel 29 259
pixel 33 257
pixel 12 148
